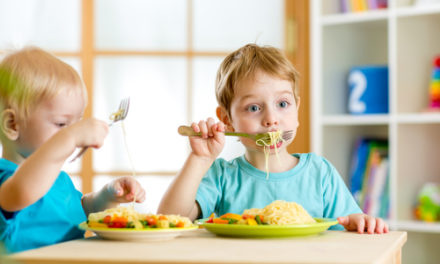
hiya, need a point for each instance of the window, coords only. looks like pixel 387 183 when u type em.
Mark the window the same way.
pixel 163 54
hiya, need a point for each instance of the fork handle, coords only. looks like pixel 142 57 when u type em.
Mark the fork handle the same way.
pixel 83 150
pixel 188 131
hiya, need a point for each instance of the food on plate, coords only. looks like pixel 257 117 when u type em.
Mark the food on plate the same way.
pixel 277 213
pixel 127 217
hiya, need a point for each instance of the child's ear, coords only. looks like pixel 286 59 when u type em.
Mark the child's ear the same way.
pixel 223 116
pixel 9 124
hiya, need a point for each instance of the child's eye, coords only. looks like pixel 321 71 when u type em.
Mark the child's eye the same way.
pixel 60 124
pixel 253 108
pixel 283 104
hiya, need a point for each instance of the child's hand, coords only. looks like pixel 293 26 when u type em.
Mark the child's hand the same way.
pixel 211 143
pixel 363 222
pixel 121 190
pixel 125 189
pixel 89 132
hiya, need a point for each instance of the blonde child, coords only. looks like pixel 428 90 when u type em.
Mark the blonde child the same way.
pixel 42 104
pixel 256 88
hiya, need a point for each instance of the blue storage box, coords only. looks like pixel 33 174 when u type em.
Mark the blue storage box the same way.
pixel 368 89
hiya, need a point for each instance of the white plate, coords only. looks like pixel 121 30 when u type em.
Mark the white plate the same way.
pixel 127 234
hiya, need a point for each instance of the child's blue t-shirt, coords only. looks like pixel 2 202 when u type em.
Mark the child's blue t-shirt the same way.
pixel 236 185
pixel 52 219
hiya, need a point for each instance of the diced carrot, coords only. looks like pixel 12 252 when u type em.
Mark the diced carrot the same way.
pixel 232 216
pixel 117 225
pixel 163 217
pixel 180 224
pixel 246 216
pixel 120 219
pixel 220 221
pixel 151 220
pixel 107 219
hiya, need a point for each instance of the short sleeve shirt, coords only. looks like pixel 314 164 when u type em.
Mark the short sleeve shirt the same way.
pixel 233 186
pixel 52 219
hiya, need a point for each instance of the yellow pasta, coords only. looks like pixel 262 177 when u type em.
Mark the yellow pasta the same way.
pixel 272 139
pixel 282 213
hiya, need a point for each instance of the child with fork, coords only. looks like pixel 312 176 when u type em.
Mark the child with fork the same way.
pixel 256 89
pixel 42 101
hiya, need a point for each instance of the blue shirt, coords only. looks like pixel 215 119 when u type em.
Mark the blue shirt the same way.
pixel 236 185
pixel 52 219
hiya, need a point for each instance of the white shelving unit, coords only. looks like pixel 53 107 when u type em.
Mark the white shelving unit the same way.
pixel 406 37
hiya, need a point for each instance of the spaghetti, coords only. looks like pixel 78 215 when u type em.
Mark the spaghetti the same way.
pixel 277 213
pixel 273 138
pixel 282 213
pixel 113 117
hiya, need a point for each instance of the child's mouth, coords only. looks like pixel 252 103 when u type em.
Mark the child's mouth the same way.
pixel 278 145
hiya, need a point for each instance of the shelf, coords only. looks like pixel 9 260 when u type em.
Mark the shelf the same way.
pixel 417 226
pixel 406 38
pixel 422 118
pixel 381 119
pixel 349 18
pixel 418 10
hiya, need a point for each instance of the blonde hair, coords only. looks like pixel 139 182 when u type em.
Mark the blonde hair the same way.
pixel 244 62
pixel 31 75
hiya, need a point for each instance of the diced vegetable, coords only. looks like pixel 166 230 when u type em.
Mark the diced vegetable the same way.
pixel 163 224
pixel 258 219
pixel 232 216
pixel 151 221
pixel 251 221
pixel 107 219
pixel 246 216
pixel 96 224
pixel 220 221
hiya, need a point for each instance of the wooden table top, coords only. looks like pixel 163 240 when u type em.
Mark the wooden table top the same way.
pixel 200 246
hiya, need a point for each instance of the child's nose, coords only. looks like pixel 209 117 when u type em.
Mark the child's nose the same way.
pixel 270 119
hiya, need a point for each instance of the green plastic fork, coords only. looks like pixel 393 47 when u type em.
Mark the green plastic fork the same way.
pixel 287 135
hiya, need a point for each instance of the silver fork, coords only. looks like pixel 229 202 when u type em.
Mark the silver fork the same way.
pixel 119 115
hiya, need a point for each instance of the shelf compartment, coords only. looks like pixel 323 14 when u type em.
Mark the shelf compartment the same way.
pixel 334 7
pixel 421 248
pixel 414 61
pixel 339 142
pixel 418 155
pixel 346 46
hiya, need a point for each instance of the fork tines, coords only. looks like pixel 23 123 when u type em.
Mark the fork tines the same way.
pixel 124 105
pixel 287 135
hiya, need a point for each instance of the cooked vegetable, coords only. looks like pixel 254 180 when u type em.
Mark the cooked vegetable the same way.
pixel 127 217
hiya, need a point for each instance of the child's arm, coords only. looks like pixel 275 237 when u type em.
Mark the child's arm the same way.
pixel 180 196
pixel 121 190
pixel 36 175
pixel 363 222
